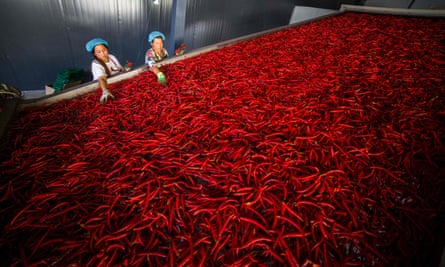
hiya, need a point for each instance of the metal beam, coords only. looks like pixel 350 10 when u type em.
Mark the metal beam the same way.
pixel 395 11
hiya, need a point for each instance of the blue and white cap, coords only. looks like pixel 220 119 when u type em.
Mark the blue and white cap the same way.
pixel 155 34
pixel 93 42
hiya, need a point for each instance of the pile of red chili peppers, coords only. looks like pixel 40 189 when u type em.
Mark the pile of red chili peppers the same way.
pixel 318 145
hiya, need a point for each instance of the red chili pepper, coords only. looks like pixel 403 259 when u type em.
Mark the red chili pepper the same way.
pixel 328 168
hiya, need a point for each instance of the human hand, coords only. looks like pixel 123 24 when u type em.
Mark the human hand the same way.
pixel 105 95
pixel 161 78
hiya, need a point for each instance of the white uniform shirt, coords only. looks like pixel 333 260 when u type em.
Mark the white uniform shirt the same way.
pixel 98 70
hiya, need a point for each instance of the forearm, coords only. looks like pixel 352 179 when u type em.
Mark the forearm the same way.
pixel 106 94
pixel 103 83
pixel 159 74
pixel 155 69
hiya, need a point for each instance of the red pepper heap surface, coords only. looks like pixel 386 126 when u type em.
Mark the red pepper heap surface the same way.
pixel 324 148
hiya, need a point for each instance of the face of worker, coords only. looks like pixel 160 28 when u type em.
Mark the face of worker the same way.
pixel 157 44
pixel 101 52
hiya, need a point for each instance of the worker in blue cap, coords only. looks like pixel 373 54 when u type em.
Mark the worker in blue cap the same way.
pixel 103 66
pixel 155 54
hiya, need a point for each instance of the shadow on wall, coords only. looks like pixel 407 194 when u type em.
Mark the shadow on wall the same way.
pixel 303 13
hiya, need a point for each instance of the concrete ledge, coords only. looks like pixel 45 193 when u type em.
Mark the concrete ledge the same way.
pixel 77 90
pixel 395 11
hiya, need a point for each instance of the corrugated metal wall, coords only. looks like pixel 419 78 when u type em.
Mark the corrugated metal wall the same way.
pixel 41 38
pixel 209 22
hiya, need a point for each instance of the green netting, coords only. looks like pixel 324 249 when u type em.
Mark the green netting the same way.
pixel 67 76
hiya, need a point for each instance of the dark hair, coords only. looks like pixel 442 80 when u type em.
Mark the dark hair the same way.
pixel 101 62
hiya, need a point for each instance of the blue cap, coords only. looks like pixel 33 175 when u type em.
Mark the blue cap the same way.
pixel 93 42
pixel 155 34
